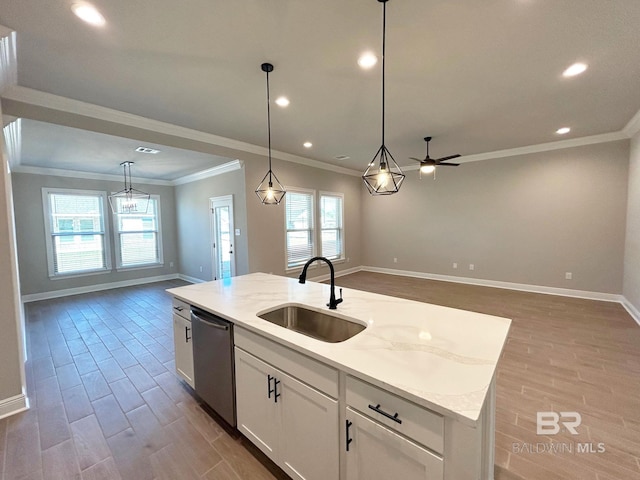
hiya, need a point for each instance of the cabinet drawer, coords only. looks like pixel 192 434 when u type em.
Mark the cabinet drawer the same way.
pixel 413 421
pixel 181 308
pixel 300 366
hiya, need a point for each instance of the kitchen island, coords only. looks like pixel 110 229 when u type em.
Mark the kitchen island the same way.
pixel 414 390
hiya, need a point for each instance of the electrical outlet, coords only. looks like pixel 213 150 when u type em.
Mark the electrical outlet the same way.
pixel 395 260
pixel 472 266
pixel 455 265
pixel 348 259
pixel 170 264
pixel 568 276
pixel 200 267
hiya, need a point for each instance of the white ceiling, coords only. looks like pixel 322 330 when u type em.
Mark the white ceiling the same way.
pixel 478 76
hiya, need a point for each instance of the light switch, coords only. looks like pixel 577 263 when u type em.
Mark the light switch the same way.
pixel 237 232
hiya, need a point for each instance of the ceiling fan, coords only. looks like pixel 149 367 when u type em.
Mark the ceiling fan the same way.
pixel 428 164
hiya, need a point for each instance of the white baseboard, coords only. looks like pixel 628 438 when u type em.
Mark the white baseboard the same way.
pixel 12 405
pixel 564 292
pixel 34 297
pixel 341 273
pixel 633 311
pixel 189 279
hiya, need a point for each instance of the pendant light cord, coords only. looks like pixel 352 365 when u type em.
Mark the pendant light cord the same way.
pixel 269 124
pixel 384 42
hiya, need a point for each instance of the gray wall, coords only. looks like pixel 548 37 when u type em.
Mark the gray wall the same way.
pixel 32 255
pixel 631 288
pixel 10 345
pixel 266 222
pixel 193 223
pixel 526 219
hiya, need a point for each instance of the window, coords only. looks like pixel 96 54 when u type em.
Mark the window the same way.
pixel 299 226
pixel 75 231
pixel 138 236
pixel 301 236
pixel 331 229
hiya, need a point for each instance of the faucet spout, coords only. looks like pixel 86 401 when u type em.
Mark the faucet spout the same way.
pixel 333 302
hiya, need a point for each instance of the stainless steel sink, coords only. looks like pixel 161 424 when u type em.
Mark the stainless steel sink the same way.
pixel 319 325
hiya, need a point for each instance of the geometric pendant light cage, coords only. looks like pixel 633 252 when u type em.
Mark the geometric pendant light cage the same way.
pixel 270 191
pixel 383 176
pixel 129 200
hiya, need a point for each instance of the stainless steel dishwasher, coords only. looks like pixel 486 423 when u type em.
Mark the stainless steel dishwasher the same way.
pixel 214 376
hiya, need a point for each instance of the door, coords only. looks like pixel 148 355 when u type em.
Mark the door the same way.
pixel 183 348
pixel 222 237
pixel 309 443
pixel 377 453
pixel 256 409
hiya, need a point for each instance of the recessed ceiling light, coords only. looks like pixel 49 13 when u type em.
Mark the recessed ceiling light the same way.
pixel 282 101
pixel 575 69
pixel 563 130
pixel 307 144
pixel 367 60
pixel 89 14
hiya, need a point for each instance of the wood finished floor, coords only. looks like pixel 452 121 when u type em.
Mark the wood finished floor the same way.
pixel 107 405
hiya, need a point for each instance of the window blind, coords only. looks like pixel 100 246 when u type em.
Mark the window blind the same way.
pixel 299 223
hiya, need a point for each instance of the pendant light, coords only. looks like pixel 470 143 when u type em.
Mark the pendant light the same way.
pixel 129 200
pixel 383 175
pixel 270 191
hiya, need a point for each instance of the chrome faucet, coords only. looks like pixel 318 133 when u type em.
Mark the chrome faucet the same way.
pixel 333 302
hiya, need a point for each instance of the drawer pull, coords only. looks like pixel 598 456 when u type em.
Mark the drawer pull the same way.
pixel 349 440
pixel 179 309
pixel 388 415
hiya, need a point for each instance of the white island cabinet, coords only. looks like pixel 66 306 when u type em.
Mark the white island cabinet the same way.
pixel 182 340
pixel 292 422
pixel 412 396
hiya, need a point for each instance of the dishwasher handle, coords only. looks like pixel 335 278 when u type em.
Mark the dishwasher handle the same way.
pixel 210 322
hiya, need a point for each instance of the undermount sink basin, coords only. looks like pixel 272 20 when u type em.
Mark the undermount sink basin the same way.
pixel 319 325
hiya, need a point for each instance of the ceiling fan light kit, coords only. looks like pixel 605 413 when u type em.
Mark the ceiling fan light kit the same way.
pixel 270 191
pixel 383 176
pixel 428 165
pixel 129 200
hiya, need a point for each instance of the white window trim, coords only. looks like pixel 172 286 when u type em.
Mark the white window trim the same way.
pixel 343 240
pixel 48 233
pixel 314 234
pixel 141 266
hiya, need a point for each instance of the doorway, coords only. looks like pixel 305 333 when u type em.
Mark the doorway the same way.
pixel 222 237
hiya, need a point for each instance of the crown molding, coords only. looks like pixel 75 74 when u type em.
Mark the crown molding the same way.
pixel 210 172
pixel 58 172
pixel 8 58
pixel 543 147
pixel 633 126
pixel 49 101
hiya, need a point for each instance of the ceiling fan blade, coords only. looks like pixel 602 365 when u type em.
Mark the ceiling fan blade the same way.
pixel 416 159
pixel 448 164
pixel 450 157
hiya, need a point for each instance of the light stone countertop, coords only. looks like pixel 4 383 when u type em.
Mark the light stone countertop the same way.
pixel 441 358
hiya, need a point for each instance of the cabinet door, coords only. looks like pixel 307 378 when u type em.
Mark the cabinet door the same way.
pixel 256 410
pixel 377 453
pixel 183 348
pixel 309 444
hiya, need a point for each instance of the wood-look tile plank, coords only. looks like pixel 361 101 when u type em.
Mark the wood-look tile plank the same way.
pixel 85 363
pixel 222 471
pixel 95 385
pixel 90 444
pixel 192 445
pixel 161 405
pixel 105 470
pixel 148 429
pixel 140 378
pixel 169 464
pixel 242 462
pixel 53 426
pixel 110 370
pixel 68 376
pixel 130 456
pixel 60 462
pixel 202 421
pixel 126 394
pixel 111 418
